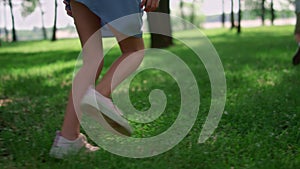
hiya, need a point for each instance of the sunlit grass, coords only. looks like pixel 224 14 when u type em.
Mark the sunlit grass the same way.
pixel 260 127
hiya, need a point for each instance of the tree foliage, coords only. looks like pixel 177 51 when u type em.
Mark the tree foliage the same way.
pixel 28 6
pixel 256 6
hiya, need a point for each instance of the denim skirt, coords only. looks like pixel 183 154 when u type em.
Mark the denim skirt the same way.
pixel 125 16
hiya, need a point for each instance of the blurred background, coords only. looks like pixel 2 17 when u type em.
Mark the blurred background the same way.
pixel 260 126
pixel 22 20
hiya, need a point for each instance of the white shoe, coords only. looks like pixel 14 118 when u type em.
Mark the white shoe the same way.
pixel 103 110
pixel 63 147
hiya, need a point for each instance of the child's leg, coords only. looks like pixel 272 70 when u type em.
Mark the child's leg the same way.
pixel 87 24
pixel 297 37
pixel 128 47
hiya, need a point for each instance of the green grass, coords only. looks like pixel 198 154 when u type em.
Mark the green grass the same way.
pixel 260 127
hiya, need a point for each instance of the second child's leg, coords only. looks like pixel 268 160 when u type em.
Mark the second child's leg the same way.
pixel 70 140
pixel 296 58
pixel 87 23
pixel 132 55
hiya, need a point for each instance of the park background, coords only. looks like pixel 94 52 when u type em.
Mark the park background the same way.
pixel 31 18
pixel 254 39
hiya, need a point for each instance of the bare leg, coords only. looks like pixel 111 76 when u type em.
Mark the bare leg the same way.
pixel 87 24
pixel 297 37
pixel 131 60
pixel 296 58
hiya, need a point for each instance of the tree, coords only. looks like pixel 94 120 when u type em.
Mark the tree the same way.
pixel 14 34
pixel 55 21
pixel 5 23
pixel 223 14
pixel 161 23
pixel 181 4
pixel 188 11
pixel 264 8
pixel 29 6
pixel 263 11
pixel 43 22
pixel 239 18
pixel 272 12
pixel 232 15
pixel 192 18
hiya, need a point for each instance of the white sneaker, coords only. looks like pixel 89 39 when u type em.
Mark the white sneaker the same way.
pixel 63 147
pixel 103 110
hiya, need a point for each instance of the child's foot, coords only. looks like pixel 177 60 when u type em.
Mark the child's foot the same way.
pixel 63 147
pixel 296 59
pixel 103 110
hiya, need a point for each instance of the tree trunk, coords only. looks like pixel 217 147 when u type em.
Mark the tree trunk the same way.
pixel 232 15
pixel 263 12
pixel 5 22
pixel 43 22
pixel 14 34
pixel 55 21
pixel 182 13
pixel 6 34
pixel 223 14
pixel 272 13
pixel 239 18
pixel 192 20
pixel 161 23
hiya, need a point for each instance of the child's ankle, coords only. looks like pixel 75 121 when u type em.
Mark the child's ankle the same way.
pixel 69 136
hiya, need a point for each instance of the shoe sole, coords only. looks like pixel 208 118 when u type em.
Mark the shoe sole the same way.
pixel 105 116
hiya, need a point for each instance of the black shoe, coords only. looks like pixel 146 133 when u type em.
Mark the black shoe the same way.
pixel 296 58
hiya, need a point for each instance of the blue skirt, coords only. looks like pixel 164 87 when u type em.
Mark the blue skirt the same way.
pixel 123 15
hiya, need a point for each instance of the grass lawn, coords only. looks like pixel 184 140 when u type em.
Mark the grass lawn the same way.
pixel 260 127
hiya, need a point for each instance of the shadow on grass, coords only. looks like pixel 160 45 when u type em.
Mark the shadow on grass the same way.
pixel 260 128
pixel 27 60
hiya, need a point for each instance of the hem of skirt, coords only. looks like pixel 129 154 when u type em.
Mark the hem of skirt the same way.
pixel 103 21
